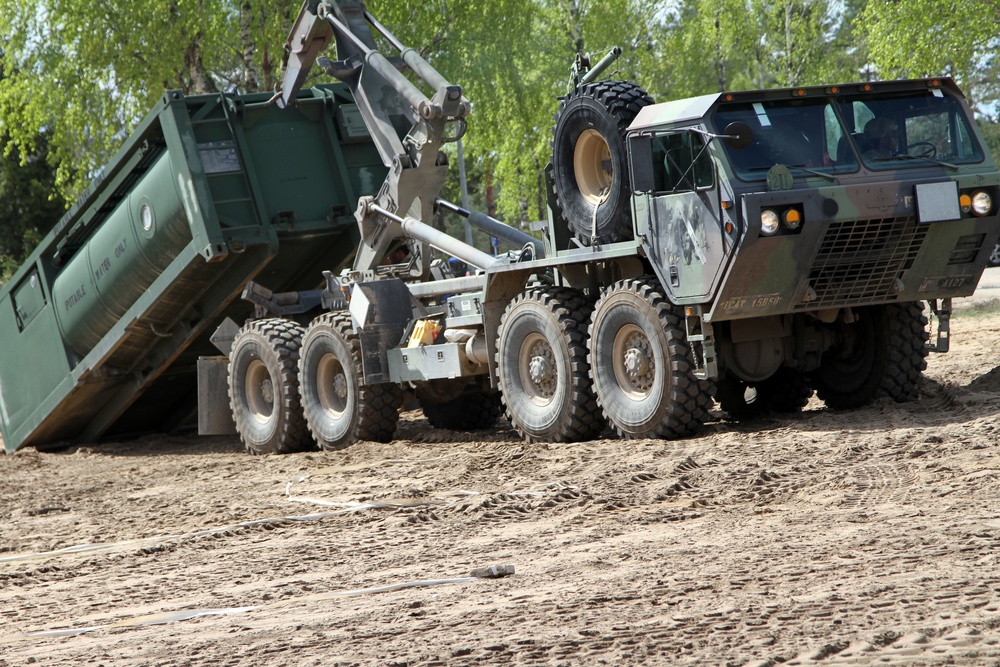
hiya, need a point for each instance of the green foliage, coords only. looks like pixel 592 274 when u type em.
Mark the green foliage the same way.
pixel 28 208
pixel 87 72
pixel 991 133
pixel 746 44
pixel 512 58
pixel 930 37
pixel 914 38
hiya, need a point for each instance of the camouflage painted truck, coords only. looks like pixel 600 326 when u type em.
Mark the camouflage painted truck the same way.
pixel 752 247
pixel 102 327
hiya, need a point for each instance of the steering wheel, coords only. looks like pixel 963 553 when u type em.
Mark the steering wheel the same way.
pixel 930 149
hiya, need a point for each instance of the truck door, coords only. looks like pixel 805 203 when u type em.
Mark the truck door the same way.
pixel 687 241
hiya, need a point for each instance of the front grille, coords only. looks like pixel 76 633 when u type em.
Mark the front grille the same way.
pixel 863 260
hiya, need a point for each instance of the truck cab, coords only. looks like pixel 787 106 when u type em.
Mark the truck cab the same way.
pixel 784 201
pixel 782 217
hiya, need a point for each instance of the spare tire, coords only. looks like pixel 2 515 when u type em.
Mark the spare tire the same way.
pixel 590 161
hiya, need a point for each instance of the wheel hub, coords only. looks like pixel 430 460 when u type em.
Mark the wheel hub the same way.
pixel 333 387
pixel 592 166
pixel 540 370
pixel 539 373
pixel 636 363
pixel 340 386
pixel 258 388
pixel 633 361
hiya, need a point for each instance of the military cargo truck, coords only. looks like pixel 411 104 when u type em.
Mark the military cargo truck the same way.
pixel 102 326
pixel 751 247
pixel 748 247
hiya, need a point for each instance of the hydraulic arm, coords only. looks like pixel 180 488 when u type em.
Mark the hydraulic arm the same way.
pixel 408 127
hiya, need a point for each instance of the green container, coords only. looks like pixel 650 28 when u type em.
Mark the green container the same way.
pixel 121 260
pixel 102 325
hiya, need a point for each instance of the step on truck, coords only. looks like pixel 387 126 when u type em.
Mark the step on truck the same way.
pixel 751 248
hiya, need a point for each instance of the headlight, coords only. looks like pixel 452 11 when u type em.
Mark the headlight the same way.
pixel 982 203
pixel 768 222
pixel 791 219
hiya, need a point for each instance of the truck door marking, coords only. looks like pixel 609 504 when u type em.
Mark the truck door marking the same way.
pixel 694 240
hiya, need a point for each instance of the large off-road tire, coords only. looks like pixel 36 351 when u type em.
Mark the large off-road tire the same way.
pixel 882 353
pixel 542 366
pixel 642 365
pixel 263 387
pixel 473 411
pixel 850 373
pixel 590 161
pixel 906 354
pixel 339 409
pixel 786 391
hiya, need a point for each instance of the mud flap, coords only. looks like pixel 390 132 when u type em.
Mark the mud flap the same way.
pixel 215 417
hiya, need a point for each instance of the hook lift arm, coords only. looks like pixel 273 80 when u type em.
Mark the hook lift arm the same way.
pixel 417 168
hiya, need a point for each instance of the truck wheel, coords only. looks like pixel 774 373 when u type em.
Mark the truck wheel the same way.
pixel 906 350
pixel 474 411
pixel 881 354
pixel 542 366
pixel 863 365
pixel 339 410
pixel 590 161
pixel 850 373
pixel 641 364
pixel 263 387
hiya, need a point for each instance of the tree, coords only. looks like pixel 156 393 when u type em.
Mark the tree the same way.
pixel 742 44
pixel 514 74
pixel 28 207
pixel 912 38
pixel 88 72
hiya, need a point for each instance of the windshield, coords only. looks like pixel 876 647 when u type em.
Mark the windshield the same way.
pixel 812 135
pixel 890 131
pixel 802 133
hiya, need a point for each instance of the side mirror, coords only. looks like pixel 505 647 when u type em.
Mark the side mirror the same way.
pixel 640 163
pixel 738 135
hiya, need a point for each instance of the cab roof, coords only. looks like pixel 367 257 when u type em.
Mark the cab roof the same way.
pixel 693 108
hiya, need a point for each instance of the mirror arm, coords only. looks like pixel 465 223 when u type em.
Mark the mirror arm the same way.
pixel 711 135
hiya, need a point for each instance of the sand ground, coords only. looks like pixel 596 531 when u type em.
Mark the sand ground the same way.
pixel 823 538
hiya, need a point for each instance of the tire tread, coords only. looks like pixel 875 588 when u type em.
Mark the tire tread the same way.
pixel 284 338
pixel 571 310
pixel 377 404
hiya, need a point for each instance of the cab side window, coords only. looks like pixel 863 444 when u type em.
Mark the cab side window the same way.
pixel 682 164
